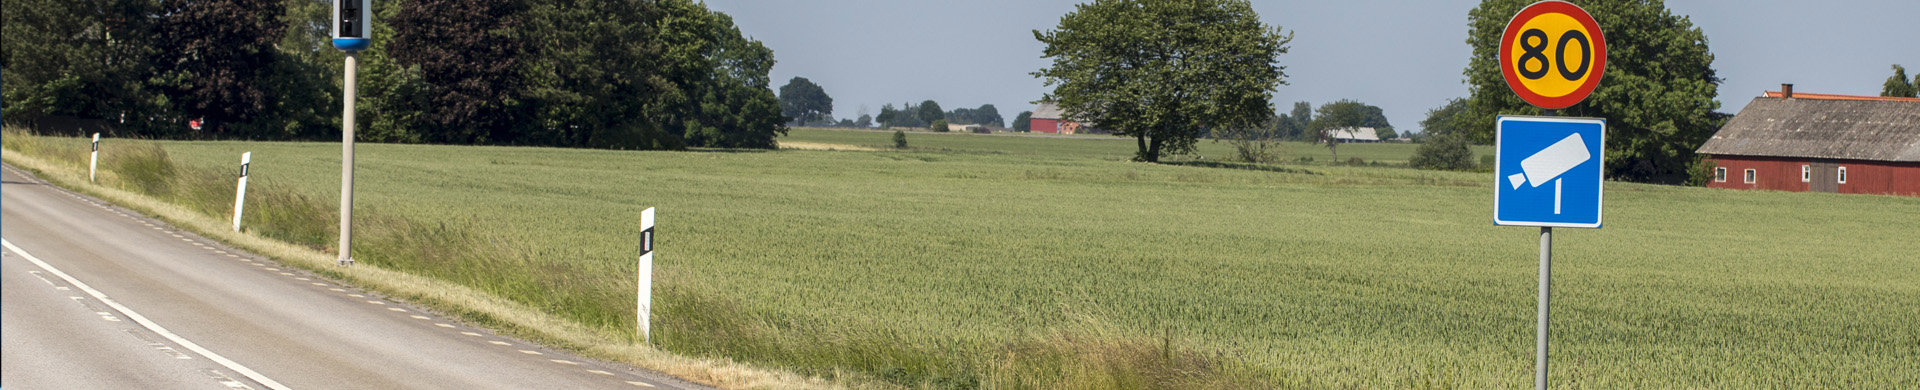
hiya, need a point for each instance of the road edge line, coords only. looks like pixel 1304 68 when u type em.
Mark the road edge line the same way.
pixel 144 322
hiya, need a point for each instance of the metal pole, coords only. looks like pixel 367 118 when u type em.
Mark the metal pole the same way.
pixel 1546 284
pixel 346 164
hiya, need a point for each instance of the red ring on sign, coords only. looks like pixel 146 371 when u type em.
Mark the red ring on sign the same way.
pixel 1510 71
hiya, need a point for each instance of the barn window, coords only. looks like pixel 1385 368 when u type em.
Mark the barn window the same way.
pixel 1720 174
pixel 1806 173
pixel 1751 177
pixel 1843 175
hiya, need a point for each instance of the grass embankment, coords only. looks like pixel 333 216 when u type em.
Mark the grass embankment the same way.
pixel 996 262
pixel 1100 147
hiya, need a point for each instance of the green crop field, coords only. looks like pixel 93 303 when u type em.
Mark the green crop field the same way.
pixel 1021 262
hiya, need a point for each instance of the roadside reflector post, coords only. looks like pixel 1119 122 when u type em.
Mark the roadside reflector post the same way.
pixel 646 276
pixel 94 162
pixel 240 195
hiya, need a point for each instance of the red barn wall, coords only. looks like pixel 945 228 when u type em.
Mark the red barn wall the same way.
pixel 1783 174
pixel 1881 178
pixel 1039 125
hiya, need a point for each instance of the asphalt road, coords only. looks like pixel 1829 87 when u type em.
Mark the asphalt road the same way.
pixel 98 297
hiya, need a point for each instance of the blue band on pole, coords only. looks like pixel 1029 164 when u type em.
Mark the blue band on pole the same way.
pixel 352 44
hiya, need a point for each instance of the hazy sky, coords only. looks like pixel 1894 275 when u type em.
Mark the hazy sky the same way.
pixel 1404 56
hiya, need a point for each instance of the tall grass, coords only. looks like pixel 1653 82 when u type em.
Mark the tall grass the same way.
pixel 992 262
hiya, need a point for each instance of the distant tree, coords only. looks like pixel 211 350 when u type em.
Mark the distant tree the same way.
pixel 930 111
pixel 213 57
pixel 1023 122
pixel 899 139
pixel 1898 85
pixel 906 116
pixel 1447 119
pixel 1658 94
pixel 1345 114
pixel 865 121
pixel 847 123
pixel 472 84
pixel 939 125
pixel 1447 151
pixel 805 103
pixel 1164 72
pixel 1385 133
pixel 1295 127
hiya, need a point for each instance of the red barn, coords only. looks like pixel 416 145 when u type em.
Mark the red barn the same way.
pixel 1818 142
pixel 1047 118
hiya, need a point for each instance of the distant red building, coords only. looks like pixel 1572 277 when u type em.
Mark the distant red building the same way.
pixel 1819 142
pixel 1049 118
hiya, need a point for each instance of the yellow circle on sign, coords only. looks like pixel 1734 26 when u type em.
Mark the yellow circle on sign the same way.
pixel 1544 54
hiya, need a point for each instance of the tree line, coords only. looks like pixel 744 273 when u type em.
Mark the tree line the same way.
pixel 622 74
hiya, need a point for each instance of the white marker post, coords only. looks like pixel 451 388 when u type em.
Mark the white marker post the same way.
pixel 646 275
pixel 95 161
pixel 240 196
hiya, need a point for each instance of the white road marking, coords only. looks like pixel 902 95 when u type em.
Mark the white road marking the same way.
pixel 356 295
pixel 377 302
pixel 566 362
pixel 422 318
pixel 303 279
pixel 471 334
pixel 273 269
pixel 286 274
pixel 225 381
pixel 601 372
pixel 531 352
pixel 641 384
pixel 319 284
pixel 397 309
pixel 337 290
pixel 443 325
pixel 43 278
pixel 498 342
pixel 156 344
pixel 149 324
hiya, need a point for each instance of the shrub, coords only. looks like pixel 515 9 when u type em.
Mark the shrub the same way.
pixel 939 126
pixel 1445 152
pixel 899 139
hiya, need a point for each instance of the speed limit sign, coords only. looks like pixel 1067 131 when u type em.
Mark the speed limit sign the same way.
pixel 1553 54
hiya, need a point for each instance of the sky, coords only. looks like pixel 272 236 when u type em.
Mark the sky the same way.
pixel 1405 56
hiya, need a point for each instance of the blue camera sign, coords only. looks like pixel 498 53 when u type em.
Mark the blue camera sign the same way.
pixel 1548 171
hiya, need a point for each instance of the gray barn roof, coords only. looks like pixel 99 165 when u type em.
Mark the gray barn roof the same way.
pixel 1825 129
pixel 1047 110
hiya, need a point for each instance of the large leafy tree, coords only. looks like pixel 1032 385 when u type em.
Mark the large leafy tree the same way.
pixel 719 94
pixel 804 102
pixel 1657 94
pixel 929 111
pixel 214 57
pixel 1164 72
pixel 1448 119
pixel 76 58
pixel 1023 122
pixel 1898 85
pixel 987 114
pixel 598 77
pixel 467 56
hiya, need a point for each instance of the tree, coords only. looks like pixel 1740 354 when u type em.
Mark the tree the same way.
pixel 1445 151
pixel 1385 133
pixel 1448 119
pixel 77 58
pixel 1254 144
pixel 939 125
pixel 720 93
pixel 1164 72
pixel 985 115
pixel 472 84
pixel 213 58
pixel 1897 85
pixel 865 121
pixel 1658 93
pixel 899 139
pixel 1345 114
pixel 899 117
pixel 1023 122
pixel 929 112
pixel 1293 126
pixel 804 102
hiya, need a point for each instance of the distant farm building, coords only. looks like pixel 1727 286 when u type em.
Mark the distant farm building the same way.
pixel 1356 134
pixel 1818 142
pixel 1047 118
pixel 969 128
